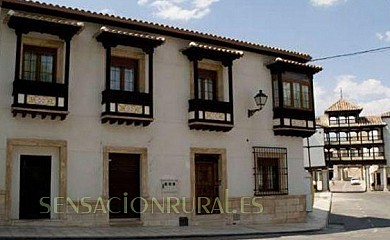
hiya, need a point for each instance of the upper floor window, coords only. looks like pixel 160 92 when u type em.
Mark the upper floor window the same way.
pixel 333 121
pixel 39 63
pixel 207 89
pixel 276 90
pixel 124 74
pixel 342 120
pixel 296 91
pixel 352 119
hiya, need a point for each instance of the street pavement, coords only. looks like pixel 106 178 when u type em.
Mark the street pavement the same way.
pixel 353 216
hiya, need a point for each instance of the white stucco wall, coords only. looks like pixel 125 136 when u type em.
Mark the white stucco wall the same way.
pixel 386 136
pixel 168 138
pixel 315 149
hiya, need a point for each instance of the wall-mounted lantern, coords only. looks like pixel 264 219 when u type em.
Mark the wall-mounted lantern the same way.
pixel 261 100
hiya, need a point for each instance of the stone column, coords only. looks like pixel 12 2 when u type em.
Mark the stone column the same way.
pixel 336 172
pixel 325 180
pixel 384 179
pixel 367 178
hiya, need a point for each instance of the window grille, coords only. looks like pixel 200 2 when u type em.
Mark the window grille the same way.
pixel 270 171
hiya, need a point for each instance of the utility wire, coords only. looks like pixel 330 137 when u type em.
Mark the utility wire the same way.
pixel 351 54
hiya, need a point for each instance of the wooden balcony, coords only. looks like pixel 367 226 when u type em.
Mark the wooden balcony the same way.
pixel 210 115
pixel 293 122
pixel 40 98
pixel 124 107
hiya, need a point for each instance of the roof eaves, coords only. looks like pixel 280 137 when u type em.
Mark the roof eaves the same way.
pixel 235 43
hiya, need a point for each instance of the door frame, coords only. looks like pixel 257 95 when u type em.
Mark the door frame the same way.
pixel 143 172
pixel 222 170
pixel 31 142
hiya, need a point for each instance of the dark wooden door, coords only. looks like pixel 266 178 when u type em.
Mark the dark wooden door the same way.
pixel 35 182
pixel 206 182
pixel 124 182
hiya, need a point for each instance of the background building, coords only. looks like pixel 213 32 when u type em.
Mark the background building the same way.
pixel 354 147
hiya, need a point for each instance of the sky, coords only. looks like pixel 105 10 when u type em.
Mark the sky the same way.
pixel 319 27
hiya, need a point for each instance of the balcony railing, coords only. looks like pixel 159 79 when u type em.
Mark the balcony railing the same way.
pixel 40 98
pixel 210 115
pixel 360 156
pixel 127 107
pixel 353 140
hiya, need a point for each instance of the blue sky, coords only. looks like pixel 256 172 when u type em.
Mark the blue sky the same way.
pixel 318 27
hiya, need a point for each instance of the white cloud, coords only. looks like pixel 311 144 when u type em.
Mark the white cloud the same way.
pixel 322 98
pixel 325 3
pixel 384 36
pixel 107 11
pixel 142 2
pixel 179 9
pixel 372 94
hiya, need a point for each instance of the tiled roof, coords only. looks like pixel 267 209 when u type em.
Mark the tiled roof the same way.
pixel 12 13
pixel 370 120
pixel 133 34
pixel 323 121
pixel 386 115
pixel 343 105
pixel 319 68
pixel 214 48
pixel 158 26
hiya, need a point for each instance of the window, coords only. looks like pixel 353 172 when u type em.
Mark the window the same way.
pixel 207 89
pixel 333 121
pixel 124 74
pixel 270 171
pixel 352 119
pixel 276 90
pixel 296 91
pixel 39 63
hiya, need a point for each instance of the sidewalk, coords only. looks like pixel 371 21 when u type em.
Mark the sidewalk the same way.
pixel 317 220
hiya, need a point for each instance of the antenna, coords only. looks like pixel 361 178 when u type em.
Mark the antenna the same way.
pixel 341 93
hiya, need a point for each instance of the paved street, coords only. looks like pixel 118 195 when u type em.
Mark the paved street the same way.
pixel 353 216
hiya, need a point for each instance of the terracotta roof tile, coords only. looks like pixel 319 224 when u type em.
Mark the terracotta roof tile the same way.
pixel 343 105
pixel 12 13
pixel 323 121
pixel 370 120
pixel 316 67
pixel 386 115
pixel 127 33
pixel 257 46
pixel 214 48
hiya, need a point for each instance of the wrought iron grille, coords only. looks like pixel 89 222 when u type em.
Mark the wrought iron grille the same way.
pixel 270 171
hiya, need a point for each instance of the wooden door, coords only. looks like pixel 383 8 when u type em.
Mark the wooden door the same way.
pixel 35 184
pixel 206 182
pixel 124 182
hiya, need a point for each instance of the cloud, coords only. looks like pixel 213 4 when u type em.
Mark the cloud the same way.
pixel 183 10
pixel 372 94
pixel 384 36
pixel 107 11
pixel 325 3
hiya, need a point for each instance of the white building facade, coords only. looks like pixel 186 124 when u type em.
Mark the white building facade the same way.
pixel 105 120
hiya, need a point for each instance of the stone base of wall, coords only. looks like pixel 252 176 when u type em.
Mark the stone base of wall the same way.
pixel 266 210
pixel 91 213
pixel 245 210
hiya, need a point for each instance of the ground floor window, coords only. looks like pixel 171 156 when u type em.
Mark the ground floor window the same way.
pixel 271 175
